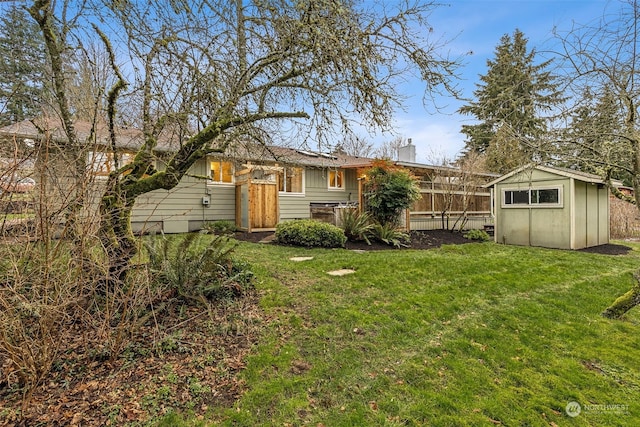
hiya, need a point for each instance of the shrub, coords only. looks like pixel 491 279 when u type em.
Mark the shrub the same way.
pixel 389 234
pixel 222 227
pixel 388 190
pixel 479 235
pixel 195 272
pixel 357 225
pixel 310 233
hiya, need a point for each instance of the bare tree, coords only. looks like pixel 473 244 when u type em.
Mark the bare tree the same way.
pixel 601 57
pixel 389 149
pixel 235 70
pixel 356 145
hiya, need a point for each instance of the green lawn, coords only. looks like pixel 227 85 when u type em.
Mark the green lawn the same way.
pixel 477 334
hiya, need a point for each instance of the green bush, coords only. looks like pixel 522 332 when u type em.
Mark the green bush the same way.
pixel 388 190
pixel 223 227
pixel 389 234
pixel 479 235
pixel 357 225
pixel 196 269
pixel 309 233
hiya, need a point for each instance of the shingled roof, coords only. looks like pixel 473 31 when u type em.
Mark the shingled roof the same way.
pixel 132 139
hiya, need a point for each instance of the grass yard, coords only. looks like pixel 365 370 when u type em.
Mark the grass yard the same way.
pixel 476 334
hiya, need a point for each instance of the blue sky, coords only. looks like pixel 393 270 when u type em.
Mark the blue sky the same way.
pixel 477 25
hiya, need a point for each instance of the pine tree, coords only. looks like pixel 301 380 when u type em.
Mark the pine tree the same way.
pixel 515 93
pixel 22 66
pixel 595 141
pixel 504 152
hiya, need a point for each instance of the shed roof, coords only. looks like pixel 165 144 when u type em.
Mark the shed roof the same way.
pixel 569 173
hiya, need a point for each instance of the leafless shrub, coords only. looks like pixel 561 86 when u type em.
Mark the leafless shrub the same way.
pixel 38 295
pixel 624 220
pixel 52 282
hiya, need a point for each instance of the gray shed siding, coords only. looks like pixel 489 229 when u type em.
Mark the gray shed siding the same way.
pixel 533 226
pixel 591 215
pixel 581 220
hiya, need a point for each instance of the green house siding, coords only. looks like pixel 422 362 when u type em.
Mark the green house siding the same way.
pixel 294 206
pixel 181 209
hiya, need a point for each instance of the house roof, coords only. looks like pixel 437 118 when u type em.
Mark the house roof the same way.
pixel 449 169
pixel 569 173
pixel 295 156
pixel 126 138
pixel 132 139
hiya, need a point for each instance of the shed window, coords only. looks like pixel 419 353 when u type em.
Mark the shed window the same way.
pixel 549 197
pixel 545 196
pixel 516 197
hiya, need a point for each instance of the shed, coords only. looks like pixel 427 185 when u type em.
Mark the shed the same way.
pixel 551 207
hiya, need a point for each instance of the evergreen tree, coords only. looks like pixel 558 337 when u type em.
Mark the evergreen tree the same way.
pixel 22 66
pixel 514 93
pixel 504 152
pixel 594 141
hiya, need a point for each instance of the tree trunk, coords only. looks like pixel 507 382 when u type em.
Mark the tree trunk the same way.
pixel 116 234
pixel 626 302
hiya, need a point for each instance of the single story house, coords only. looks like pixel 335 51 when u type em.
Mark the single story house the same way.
pixel 552 207
pixel 253 185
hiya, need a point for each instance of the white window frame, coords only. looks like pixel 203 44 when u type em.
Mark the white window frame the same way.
pixel 211 181
pixel 101 163
pixel 329 183
pixel 284 182
pixel 531 203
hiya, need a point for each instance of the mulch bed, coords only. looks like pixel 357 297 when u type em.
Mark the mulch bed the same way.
pixel 608 249
pixel 430 239
pixel 419 240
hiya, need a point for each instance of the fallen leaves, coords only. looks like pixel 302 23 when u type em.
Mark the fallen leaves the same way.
pixel 146 380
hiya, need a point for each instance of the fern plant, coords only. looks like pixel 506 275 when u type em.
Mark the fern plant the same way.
pixel 195 269
pixel 479 235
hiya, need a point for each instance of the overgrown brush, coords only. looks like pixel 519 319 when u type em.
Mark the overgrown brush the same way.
pixel 624 220
pixel 41 288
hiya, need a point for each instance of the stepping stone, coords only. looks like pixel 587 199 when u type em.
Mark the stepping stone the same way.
pixel 342 272
pixel 301 258
pixel 359 251
pixel 270 238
